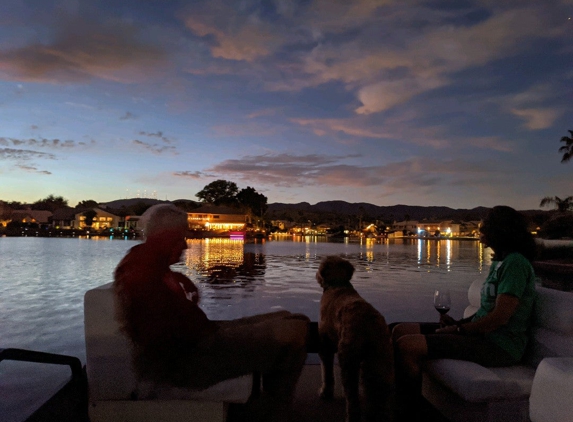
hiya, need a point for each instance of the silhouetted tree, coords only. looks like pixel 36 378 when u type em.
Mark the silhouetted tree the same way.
pixel 254 201
pixel 88 203
pixel 89 215
pixel 562 205
pixel 186 205
pixel 219 192
pixel 567 149
pixel 50 203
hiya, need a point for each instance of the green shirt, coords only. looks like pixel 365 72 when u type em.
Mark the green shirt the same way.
pixel 513 276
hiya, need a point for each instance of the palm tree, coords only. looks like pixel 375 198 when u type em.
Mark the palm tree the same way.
pixel 567 149
pixel 562 205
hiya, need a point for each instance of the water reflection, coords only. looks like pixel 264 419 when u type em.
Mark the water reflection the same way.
pixel 223 261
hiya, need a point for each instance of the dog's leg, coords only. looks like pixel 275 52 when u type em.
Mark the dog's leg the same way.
pixel 326 354
pixel 378 391
pixel 350 374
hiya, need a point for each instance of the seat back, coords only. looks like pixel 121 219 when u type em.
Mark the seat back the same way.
pixel 474 297
pixel 108 358
pixel 552 333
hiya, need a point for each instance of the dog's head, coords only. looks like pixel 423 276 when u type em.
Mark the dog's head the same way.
pixel 334 272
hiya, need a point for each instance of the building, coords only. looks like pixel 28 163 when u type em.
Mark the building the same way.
pixel 26 216
pixel 216 218
pixel 71 218
pixel 441 228
pixel 101 219
pixel 405 228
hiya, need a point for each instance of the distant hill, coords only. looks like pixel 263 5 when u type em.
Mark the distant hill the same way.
pixel 338 209
pixel 394 212
pixel 119 203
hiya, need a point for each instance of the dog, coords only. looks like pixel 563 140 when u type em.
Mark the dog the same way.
pixel 354 329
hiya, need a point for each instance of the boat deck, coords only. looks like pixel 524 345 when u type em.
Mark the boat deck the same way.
pixel 70 404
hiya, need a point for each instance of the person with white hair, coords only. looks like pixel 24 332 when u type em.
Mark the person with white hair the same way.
pixel 175 342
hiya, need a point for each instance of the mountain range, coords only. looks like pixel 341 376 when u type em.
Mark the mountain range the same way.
pixel 342 208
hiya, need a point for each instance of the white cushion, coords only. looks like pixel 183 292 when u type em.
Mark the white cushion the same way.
pixel 109 366
pixel 552 391
pixel 554 310
pixel 474 297
pixel 475 383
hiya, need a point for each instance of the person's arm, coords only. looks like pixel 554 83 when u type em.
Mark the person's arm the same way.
pixel 448 320
pixel 505 306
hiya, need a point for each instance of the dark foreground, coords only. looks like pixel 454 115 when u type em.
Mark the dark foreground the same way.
pixel 70 403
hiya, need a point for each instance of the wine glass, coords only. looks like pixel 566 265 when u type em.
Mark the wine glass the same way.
pixel 442 300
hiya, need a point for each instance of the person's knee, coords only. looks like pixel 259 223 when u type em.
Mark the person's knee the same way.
pixel 411 350
pixel 292 331
pixel 403 329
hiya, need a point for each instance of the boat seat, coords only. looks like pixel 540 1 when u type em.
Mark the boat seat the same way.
pixel 115 393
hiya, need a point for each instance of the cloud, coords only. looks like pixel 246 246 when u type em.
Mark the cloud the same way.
pixel 540 118
pixel 32 169
pixel 42 143
pixel 23 154
pixel 286 170
pixel 396 130
pixel 322 127
pixel 81 50
pixel 382 51
pixel 128 116
pixel 157 134
pixel 155 148
pixel 387 94
pixel 189 174
pixel 535 105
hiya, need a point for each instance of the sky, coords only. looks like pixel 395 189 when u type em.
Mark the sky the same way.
pixel 432 103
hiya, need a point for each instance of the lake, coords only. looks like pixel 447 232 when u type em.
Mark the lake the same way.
pixel 43 280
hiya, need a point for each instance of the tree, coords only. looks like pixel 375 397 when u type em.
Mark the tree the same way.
pixel 186 205
pixel 50 203
pixel 88 203
pixel 567 149
pixel 254 201
pixel 562 205
pixel 89 215
pixel 219 192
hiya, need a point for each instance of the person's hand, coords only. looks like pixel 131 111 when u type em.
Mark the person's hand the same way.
pixel 447 320
pixel 449 329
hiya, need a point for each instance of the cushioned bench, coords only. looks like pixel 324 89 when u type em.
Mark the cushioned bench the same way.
pixel 115 393
pixel 465 391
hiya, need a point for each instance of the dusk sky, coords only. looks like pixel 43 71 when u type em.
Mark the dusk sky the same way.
pixel 455 103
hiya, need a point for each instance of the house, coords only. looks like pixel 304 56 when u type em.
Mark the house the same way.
pixel 404 228
pixel 442 228
pixel 470 228
pixel 31 216
pixel 217 218
pixel 72 218
pixel 102 219
pixel 64 218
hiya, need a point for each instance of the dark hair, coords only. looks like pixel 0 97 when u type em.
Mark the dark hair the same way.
pixel 506 231
pixel 335 270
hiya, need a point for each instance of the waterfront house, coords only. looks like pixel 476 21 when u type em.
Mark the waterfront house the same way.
pixel 27 216
pixel 438 228
pixel 218 219
pixel 101 220
pixel 404 228
pixel 64 218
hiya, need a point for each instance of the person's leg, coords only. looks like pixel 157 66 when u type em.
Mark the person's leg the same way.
pixel 410 350
pixel 271 345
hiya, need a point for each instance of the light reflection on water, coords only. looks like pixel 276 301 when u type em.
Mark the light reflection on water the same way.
pixel 43 280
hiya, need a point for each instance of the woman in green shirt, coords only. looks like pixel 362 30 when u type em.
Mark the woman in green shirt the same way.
pixel 497 334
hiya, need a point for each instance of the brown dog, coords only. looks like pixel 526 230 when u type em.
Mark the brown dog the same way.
pixel 355 330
